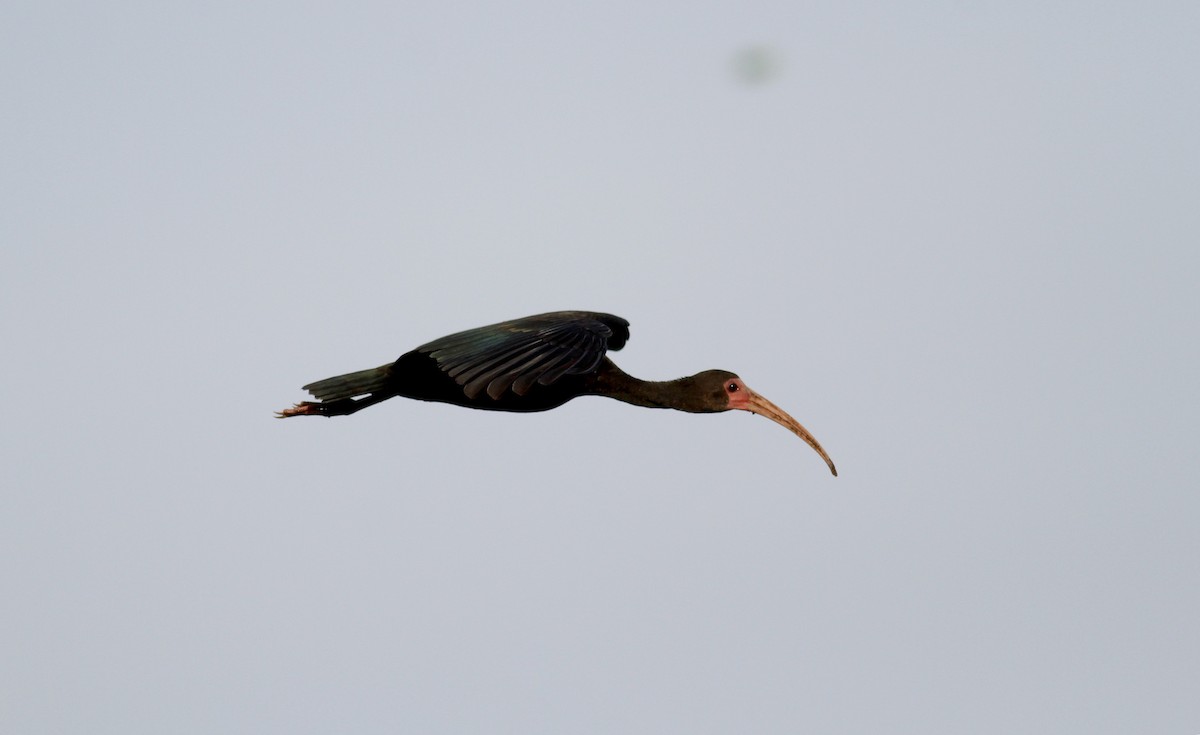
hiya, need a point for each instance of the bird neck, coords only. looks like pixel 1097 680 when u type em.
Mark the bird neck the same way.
pixel 613 382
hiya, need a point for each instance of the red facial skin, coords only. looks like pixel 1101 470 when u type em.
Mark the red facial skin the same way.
pixel 743 399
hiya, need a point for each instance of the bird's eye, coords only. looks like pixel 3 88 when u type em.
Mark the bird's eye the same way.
pixel 732 388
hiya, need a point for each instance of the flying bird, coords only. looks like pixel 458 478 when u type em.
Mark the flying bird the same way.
pixel 535 364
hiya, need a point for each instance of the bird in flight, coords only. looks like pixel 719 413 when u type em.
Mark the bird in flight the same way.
pixel 535 364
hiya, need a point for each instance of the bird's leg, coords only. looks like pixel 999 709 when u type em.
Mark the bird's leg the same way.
pixel 341 407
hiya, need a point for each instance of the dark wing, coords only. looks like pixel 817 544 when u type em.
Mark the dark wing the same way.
pixel 537 349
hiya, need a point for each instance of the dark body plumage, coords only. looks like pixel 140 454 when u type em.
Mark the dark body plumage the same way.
pixel 533 364
pixel 417 375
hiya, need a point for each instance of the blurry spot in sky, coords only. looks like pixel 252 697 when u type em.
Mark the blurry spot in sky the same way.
pixel 756 65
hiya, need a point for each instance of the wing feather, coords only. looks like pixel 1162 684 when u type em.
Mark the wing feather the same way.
pixel 505 376
pixel 483 378
pixel 464 370
pixel 536 350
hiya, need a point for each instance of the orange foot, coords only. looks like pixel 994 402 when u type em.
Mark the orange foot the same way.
pixel 306 408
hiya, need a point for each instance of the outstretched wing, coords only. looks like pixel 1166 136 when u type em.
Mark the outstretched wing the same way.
pixel 537 349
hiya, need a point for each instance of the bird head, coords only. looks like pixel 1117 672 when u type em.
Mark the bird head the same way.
pixel 721 390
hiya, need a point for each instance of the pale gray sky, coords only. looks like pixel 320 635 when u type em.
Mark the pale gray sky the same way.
pixel 958 242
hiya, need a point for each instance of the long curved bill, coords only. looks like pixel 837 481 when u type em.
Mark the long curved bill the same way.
pixel 759 405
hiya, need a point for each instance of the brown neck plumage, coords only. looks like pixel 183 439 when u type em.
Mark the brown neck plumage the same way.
pixel 680 394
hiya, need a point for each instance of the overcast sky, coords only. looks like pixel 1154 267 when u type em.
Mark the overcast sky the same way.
pixel 957 241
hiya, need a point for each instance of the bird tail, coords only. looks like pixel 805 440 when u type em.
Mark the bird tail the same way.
pixel 350 384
